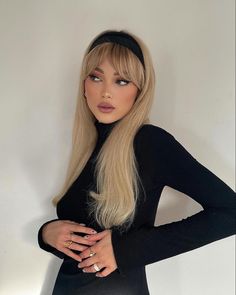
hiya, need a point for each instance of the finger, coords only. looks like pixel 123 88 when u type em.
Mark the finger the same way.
pixel 82 229
pixel 89 269
pixel 81 240
pixel 73 222
pixel 70 221
pixel 77 247
pixel 86 253
pixel 71 254
pixel 96 237
pixel 88 262
pixel 104 272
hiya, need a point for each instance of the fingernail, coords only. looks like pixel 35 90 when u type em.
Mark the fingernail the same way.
pixel 79 266
pixel 83 224
pixel 86 237
pixel 83 270
pixel 93 231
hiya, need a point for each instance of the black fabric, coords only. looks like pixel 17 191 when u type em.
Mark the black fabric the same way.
pixel 134 283
pixel 119 38
pixel 162 161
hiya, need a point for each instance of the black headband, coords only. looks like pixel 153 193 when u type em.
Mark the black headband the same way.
pixel 121 38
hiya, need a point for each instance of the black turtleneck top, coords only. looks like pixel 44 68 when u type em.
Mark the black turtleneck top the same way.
pixel 162 161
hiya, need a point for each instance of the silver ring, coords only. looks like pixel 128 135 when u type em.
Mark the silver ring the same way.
pixel 96 267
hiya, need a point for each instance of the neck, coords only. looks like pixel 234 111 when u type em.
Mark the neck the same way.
pixel 104 129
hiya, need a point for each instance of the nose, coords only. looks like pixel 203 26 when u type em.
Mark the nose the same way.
pixel 106 89
pixel 106 95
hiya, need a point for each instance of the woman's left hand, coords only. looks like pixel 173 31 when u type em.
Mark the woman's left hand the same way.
pixel 100 254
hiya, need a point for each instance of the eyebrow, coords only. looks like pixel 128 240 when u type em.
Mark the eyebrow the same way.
pixel 102 72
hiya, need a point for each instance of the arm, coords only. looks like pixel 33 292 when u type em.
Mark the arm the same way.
pixel 182 172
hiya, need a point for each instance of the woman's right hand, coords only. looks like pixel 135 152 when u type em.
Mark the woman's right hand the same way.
pixel 58 233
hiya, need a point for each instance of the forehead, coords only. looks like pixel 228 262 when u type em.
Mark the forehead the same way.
pixel 123 61
pixel 106 66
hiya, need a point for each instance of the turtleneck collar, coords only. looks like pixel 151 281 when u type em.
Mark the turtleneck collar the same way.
pixel 104 129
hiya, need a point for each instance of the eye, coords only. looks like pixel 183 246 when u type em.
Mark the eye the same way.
pixel 94 78
pixel 122 82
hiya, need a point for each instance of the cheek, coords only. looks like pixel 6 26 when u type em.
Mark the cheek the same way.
pixel 130 96
pixel 90 89
pixel 86 87
pixel 89 95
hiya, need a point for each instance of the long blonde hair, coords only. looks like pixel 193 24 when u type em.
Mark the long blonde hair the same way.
pixel 116 169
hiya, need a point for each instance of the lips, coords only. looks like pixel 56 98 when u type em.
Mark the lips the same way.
pixel 105 105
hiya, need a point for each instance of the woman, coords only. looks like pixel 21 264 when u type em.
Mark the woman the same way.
pixel 118 168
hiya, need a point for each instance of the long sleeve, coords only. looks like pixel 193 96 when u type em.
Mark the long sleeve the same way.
pixel 45 246
pixel 178 169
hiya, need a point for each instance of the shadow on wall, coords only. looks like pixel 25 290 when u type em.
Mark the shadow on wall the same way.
pixel 50 276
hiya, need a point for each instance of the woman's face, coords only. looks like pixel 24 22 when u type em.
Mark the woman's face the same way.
pixel 105 86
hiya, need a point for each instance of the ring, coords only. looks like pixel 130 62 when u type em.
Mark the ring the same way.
pixel 91 252
pixel 96 267
pixel 68 243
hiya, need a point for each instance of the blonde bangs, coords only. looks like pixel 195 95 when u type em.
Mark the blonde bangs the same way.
pixel 124 61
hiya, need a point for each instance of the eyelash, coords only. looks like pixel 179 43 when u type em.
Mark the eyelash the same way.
pixel 93 77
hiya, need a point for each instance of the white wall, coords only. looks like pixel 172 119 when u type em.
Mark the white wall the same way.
pixel 42 42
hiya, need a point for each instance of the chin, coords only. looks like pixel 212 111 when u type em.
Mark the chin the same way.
pixel 107 120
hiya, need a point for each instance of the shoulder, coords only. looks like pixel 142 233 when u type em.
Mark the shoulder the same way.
pixel 149 133
pixel 152 142
pixel 158 143
pixel 156 140
pixel 153 146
